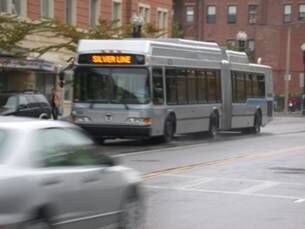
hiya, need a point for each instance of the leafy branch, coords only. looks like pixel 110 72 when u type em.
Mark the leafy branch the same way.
pixel 14 31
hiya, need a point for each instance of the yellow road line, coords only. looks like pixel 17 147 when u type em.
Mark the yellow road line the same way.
pixel 223 161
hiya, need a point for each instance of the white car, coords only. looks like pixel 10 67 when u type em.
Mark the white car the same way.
pixel 52 176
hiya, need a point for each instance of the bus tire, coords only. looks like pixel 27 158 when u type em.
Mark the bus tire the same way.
pixel 256 129
pixel 169 129
pixel 213 126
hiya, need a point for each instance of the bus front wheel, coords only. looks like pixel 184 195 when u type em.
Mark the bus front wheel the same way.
pixel 169 129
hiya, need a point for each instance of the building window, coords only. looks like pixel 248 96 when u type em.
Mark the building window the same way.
pixel 251 45
pixel 189 14
pixel 18 7
pixel 252 11
pixel 232 11
pixel 302 12
pixel 144 13
pixel 94 12
pixel 70 12
pixel 4 6
pixel 46 8
pixel 162 20
pixel 301 78
pixel 116 13
pixel 287 13
pixel 211 14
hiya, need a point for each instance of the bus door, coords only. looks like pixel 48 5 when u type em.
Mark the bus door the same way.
pixel 159 111
pixel 240 109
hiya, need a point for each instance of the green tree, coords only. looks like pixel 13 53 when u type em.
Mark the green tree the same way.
pixel 177 31
pixel 13 32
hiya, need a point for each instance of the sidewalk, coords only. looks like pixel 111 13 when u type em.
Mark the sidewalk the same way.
pixel 289 114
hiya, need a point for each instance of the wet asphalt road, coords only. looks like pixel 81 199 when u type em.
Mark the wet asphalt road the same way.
pixel 235 181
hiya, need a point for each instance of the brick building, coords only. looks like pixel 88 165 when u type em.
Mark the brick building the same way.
pixel 28 74
pixel 85 13
pixel 273 27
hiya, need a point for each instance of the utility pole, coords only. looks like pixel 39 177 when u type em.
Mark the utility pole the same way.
pixel 287 72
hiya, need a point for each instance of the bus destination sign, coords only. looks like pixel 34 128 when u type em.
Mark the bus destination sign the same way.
pixel 111 59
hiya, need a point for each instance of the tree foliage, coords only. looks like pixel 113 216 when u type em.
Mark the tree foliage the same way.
pixel 13 31
pixel 177 30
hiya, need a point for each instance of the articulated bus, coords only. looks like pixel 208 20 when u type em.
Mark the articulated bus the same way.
pixel 156 88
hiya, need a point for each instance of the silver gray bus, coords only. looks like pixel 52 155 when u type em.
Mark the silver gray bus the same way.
pixel 149 88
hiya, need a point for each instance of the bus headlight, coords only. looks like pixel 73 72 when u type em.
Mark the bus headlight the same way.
pixel 139 121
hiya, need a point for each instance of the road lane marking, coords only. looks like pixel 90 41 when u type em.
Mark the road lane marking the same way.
pixel 299 201
pixel 294 198
pixel 259 187
pixel 234 179
pixel 254 156
pixel 170 148
pixel 196 183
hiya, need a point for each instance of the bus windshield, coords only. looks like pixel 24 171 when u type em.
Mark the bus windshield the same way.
pixel 111 85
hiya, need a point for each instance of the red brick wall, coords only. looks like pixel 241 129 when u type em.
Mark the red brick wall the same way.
pixel 269 33
pixel 33 9
pixel 82 19
pixel 59 9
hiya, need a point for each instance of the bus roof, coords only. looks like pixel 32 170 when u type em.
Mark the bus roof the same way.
pixel 160 50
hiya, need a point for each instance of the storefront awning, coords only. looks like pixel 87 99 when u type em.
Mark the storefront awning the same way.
pixel 28 64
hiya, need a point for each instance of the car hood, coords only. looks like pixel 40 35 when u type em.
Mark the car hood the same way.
pixel 7 172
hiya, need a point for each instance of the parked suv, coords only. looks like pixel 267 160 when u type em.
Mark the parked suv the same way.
pixel 26 104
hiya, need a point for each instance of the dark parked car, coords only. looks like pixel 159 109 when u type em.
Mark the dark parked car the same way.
pixel 26 104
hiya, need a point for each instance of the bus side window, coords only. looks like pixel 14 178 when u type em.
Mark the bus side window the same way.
pixel 261 85
pixel 249 85
pixel 171 86
pixel 158 89
pixel 240 84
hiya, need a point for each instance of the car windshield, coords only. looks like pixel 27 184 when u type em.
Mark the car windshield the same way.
pixel 112 85
pixel 8 102
pixel 3 141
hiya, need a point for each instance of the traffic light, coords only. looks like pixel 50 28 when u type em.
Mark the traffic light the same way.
pixel 61 79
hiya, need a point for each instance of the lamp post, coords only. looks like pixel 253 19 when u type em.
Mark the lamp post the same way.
pixel 137 23
pixel 242 38
pixel 303 97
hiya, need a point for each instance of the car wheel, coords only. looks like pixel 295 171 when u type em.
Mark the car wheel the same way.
pixel 36 224
pixel 43 116
pixel 131 217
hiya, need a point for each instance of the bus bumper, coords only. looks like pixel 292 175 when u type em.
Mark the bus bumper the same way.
pixel 118 131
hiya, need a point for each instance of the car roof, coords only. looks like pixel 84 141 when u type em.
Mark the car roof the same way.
pixel 16 123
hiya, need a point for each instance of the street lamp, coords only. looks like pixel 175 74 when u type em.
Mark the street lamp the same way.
pixel 137 23
pixel 303 97
pixel 242 38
